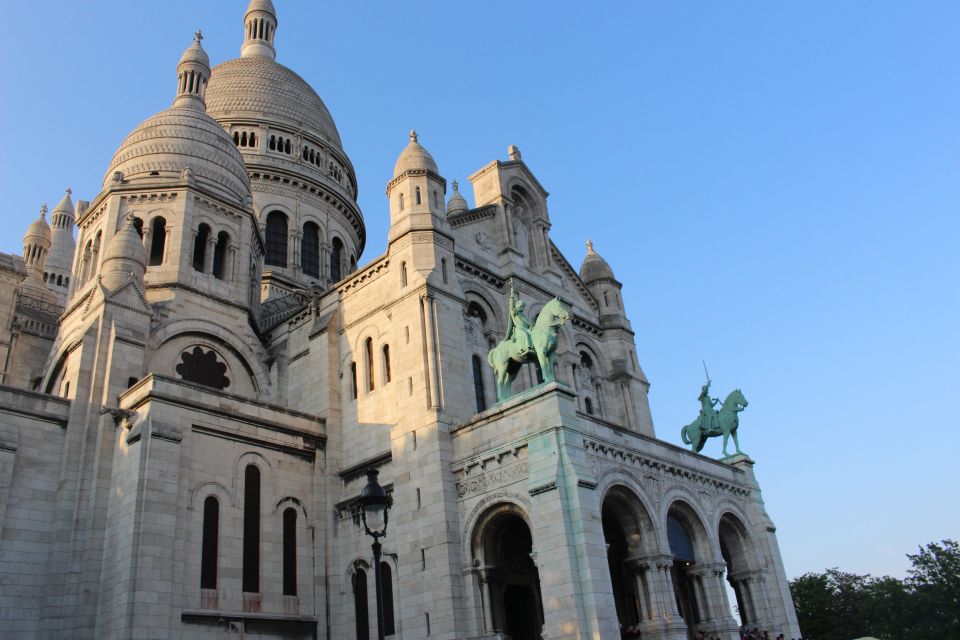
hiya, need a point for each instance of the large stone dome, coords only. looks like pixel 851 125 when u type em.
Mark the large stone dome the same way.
pixel 172 140
pixel 260 88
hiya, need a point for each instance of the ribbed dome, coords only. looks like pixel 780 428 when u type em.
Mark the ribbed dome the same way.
pixel 38 229
pixel 457 203
pixel 594 267
pixel 195 53
pixel 175 139
pixel 260 88
pixel 414 158
pixel 261 5
pixel 65 205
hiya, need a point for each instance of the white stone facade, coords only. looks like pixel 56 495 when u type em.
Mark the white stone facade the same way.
pixel 193 392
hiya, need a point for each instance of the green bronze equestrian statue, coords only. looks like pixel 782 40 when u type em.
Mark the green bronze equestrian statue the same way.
pixel 525 342
pixel 711 423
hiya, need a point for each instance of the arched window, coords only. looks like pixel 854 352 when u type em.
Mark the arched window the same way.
pixel 478 384
pixel 273 143
pixel 243 139
pixel 210 543
pixel 403 274
pixel 386 582
pixel 236 138
pixel 401 201
pixel 290 552
pixel 200 247
pixel 253 139
pixel 251 530
pixel 336 255
pixel 59 280
pixel 220 254
pixel 138 226
pixel 158 241
pixel 360 604
pixel 386 363
pixel 443 270
pixel 353 263
pixel 276 239
pixel 286 146
pixel 588 404
pixel 310 249
pixel 418 195
pixel 368 349
pixel 353 378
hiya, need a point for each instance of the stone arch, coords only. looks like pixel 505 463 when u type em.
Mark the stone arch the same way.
pixel 200 492
pixel 502 552
pixel 208 332
pixel 632 552
pixel 290 501
pixel 744 572
pixel 266 476
pixel 689 544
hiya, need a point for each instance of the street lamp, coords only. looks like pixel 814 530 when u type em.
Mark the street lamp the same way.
pixel 374 508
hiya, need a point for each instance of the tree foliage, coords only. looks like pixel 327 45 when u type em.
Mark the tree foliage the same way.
pixel 835 605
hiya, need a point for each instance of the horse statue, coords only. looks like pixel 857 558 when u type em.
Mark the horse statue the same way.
pixel 711 423
pixel 524 343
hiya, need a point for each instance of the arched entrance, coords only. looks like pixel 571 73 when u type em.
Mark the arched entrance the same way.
pixel 631 549
pixel 684 532
pixel 741 574
pixel 503 552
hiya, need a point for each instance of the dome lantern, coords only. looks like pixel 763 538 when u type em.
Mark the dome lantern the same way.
pixel 36 245
pixel 193 73
pixel 260 27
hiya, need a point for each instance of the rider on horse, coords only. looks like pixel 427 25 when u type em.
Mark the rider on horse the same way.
pixel 708 414
pixel 518 327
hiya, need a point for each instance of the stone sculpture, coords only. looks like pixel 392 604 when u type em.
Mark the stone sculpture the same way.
pixel 525 342
pixel 711 423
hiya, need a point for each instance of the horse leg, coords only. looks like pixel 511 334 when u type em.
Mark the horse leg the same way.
pixel 726 436
pixel 736 441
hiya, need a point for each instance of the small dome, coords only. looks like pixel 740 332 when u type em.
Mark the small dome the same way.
pixel 38 229
pixel 262 5
pixel 594 267
pixel 457 203
pixel 195 53
pixel 171 141
pixel 414 158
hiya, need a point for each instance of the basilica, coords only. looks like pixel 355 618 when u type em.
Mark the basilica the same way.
pixel 199 370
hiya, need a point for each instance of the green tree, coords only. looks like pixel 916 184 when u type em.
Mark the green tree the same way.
pixel 935 584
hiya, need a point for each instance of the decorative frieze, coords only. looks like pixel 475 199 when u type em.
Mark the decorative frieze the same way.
pixel 635 459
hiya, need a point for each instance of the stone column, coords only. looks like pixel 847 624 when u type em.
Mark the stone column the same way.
pixel 664 613
pixel 208 255
pixel 714 605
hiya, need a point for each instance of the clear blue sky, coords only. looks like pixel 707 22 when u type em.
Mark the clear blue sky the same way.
pixel 776 184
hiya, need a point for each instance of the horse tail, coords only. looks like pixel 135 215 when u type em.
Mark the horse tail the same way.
pixel 683 435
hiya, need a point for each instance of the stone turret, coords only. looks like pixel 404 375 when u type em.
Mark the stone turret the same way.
pixel 59 264
pixel 598 276
pixel 36 246
pixel 417 192
pixel 193 74
pixel 260 23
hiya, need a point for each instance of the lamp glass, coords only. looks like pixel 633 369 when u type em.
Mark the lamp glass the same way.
pixel 374 514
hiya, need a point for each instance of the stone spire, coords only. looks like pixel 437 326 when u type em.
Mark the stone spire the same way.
pixel 260 27
pixel 193 73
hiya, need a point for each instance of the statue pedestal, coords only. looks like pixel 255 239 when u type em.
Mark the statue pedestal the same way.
pixel 740 460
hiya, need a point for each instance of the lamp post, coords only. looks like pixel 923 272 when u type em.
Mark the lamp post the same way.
pixel 374 508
